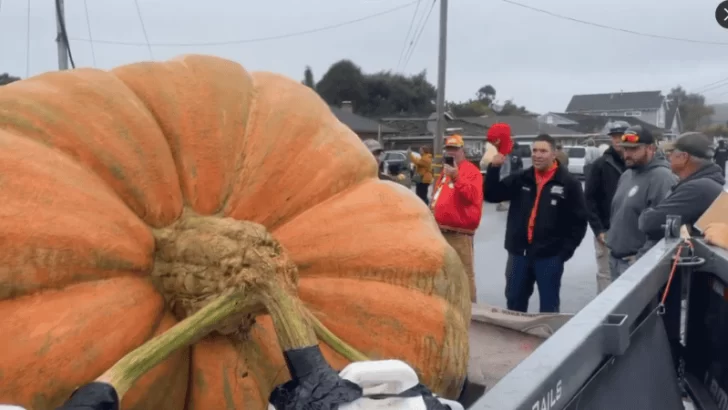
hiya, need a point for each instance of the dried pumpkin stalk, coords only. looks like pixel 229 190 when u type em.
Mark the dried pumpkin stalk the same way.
pixel 218 274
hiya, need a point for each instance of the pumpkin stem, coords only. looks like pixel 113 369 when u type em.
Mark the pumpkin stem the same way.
pixel 339 346
pixel 290 319
pixel 287 312
pixel 135 364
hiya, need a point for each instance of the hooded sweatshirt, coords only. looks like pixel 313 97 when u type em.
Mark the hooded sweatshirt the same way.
pixel 689 199
pixel 638 189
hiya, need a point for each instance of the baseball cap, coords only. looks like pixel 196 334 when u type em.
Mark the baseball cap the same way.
pixel 696 144
pixel 636 136
pixel 373 145
pixel 454 141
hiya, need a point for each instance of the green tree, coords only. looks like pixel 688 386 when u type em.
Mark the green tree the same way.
pixel 379 94
pixel 6 78
pixel 693 109
pixel 344 81
pixel 397 94
pixel 308 78
pixel 470 108
pixel 483 105
pixel 511 108
pixel 486 94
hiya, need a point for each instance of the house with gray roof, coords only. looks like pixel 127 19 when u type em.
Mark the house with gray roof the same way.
pixel 592 124
pixel 415 132
pixel 363 127
pixel 648 106
pixel 525 127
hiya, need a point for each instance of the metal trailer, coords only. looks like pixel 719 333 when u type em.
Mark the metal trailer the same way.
pixel 624 350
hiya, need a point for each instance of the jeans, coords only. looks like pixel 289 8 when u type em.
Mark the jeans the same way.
pixel 525 272
pixel 422 191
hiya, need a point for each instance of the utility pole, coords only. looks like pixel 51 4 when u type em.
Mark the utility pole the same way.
pixel 441 66
pixel 60 38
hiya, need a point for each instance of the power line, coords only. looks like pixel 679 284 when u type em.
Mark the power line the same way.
pixel 413 46
pixel 406 37
pixel 723 83
pixel 90 37
pixel 144 29
pixel 415 37
pixel 256 39
pixel 623 30
pixel 27 44
pixel 713 83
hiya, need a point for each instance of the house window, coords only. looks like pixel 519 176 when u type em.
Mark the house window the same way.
pixel 550 119
pixel 633 114
pixel 604 114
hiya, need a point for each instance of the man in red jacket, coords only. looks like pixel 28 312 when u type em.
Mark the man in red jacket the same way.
pixel 458 203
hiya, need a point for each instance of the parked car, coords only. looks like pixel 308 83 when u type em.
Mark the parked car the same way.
pixel 577 159
pixel 397 159
pixel 524 151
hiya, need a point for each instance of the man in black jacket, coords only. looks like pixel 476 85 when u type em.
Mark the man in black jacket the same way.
pixel 546 222
pixel 599 189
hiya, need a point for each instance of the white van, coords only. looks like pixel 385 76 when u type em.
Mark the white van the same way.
pixel 524 151
pixel 577 159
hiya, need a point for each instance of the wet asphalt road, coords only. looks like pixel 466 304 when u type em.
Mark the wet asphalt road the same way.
pixel 578 285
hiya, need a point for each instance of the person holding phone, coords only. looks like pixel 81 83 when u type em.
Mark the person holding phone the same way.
pixel 457 203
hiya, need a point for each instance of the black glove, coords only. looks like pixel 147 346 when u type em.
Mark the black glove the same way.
pixel 93 396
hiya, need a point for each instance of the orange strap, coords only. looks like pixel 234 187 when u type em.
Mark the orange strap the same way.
pixel 541 179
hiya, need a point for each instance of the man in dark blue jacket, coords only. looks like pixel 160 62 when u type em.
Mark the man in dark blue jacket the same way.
pixel 546 222
pixel 599 188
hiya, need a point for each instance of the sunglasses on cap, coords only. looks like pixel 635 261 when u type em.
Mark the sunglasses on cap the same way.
pixel 631 138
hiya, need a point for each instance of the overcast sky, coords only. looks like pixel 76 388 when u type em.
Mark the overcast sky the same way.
pixel 536 59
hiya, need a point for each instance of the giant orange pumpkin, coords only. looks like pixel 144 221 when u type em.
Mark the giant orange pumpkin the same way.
pixel 100 171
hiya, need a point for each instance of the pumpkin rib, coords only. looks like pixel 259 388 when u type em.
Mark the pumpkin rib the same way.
pixel 205 157
pixel 317 156
pixel 51 241
pixel 325 238
pixel 126 150
pixel 385 311
pixel 45 340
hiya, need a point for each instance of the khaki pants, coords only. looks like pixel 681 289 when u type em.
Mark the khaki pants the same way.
pixel 617 266
pixel 463 245
pixel 604 278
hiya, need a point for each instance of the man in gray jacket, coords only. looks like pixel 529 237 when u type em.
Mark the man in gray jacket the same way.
pixel 646 182
pixel 701 181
